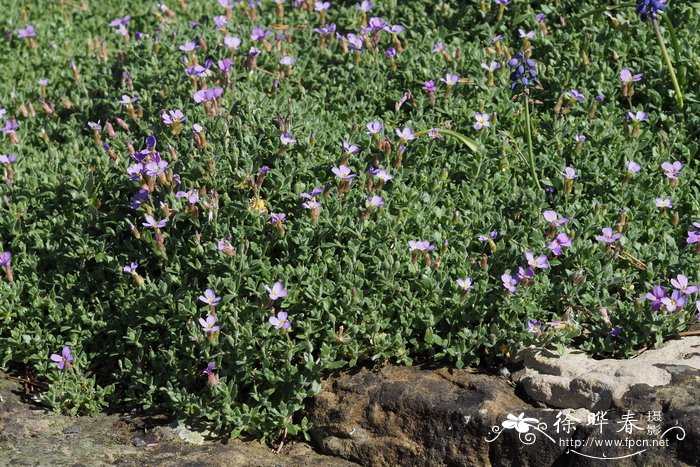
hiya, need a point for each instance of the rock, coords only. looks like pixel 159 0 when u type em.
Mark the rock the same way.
pixel 574 380
pixel 73 429
pixel 411 416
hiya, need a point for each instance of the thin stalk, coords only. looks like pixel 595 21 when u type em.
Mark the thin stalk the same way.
pixel 528 131
pixel 667 59
pixel 676 48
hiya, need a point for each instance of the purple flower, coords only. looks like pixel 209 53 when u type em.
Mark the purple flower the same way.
pixel 232 42
pixel 364 6
pixel 450 79
pixel 681 283
pixel 509 282
pixel 580 138
pixel 5 258
pixel 322 6
pixel 224 65
pixel 287 139
pixel 672 171
pixel 7 159
pixel 524 275
pixel 540 17
pixel 153 169
pixel 465 284
pixel 277 217
pixel 94 126
pixel 639 116
pixel 429 86
pixel 569 173
pixel 173 116
pixel 664 203
pixel 191 195
pixel 406 134
pixel 209 298
pixel 120 22
pixel 383 175
pixel 374 128
pixel 694 235
pixel 280 321
pixel 627 77
pixel 482 121
pixel 259 33
pixel 27 33
pixel 608 236
pixel 560 241
pixel 534 327
pixel 485 238
pixel 209 371
pixel 209 324
pixel 576 95
pixel 188 46
pixel 616 330
pixel 674 302
pixel 207 94
pixel 375 201
pixel 151 222
pixel 350 148
pixel 287 60
pixel 632 167
pixel 129 268
pixel 495 39
pixel 493 66
pixel 524 71
pixel 536 263
pixel 553 218
pixel 377 24
pixel 650 8
pixel 390 53
pixel 314 193
pixel 220 21
pixel 420 245
pixel 128 100
pixel 526 35
pixel 65 357
pixel 655 296
pixel 343 172
pixel 276 291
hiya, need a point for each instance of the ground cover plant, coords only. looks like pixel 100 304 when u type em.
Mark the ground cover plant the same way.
pixel 208 204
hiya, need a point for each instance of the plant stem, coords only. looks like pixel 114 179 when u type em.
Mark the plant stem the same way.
pixel 528 131
pixel 667 59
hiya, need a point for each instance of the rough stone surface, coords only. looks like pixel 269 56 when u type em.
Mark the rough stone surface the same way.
pixel 423 416
pixel 29 436
pixel 575 380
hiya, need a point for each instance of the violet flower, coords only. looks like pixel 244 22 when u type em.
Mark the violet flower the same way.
pixel 276 291
pixel 632 167
pixel 493 66
pixel 627 77
pixel 509 282
pixel 534 327
pixel 655 297
pixel 209 371
pixel 27 33
pixel 406 134
pixel 64 359
pixel 681 283
pixel 374 128
pixel 151 222
pixel 209 325
pixel 350 148
pixel 561 240
pixel 664 203
pixel 130 268
pixel 210 298
pixel 287 139
pixel 375 201
pixel 280 321
pixel 465 284
pixel 482 121
pixel 672 171
pixel 553 218
pixel 676 301
pixel 343 172
pixel 450 79
pixel 420 245
pixel 638 116
pixel 608 236
pixel 208 94
pixel 232 42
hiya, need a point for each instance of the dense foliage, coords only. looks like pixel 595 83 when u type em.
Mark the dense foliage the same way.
pixel 200 282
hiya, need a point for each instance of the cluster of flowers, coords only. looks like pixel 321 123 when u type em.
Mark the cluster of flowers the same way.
pixel 661 300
